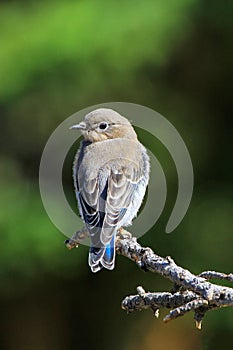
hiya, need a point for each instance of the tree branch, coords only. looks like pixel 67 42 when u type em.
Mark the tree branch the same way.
pixel 190 292
pixel 193 293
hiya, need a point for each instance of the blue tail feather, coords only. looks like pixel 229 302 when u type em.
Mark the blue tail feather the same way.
pixel 108 259
pixel 103 256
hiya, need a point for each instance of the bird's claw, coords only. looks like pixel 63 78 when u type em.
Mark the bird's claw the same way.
pixel 123 234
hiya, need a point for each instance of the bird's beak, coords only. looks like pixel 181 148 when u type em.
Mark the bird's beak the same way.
pixel 80 126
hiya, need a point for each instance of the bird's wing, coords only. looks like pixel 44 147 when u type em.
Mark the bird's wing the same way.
pixel 123 185
pixel 106 200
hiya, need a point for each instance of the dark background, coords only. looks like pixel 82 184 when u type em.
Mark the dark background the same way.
pixel 57 57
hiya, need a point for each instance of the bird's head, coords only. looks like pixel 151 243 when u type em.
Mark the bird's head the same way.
pixel 102 124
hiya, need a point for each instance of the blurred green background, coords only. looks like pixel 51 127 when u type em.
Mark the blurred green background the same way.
pixel 57 57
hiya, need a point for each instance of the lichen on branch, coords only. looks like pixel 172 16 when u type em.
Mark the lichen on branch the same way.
pixel 189 293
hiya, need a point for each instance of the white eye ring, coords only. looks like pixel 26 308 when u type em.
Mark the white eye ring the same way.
pixel 103 126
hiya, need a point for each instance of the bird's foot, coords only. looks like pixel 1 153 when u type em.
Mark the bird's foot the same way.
pixel 123 234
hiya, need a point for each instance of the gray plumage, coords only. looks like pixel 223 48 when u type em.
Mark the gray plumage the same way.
pixel 111 173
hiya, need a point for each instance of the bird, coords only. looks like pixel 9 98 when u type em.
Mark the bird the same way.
pixel 110 174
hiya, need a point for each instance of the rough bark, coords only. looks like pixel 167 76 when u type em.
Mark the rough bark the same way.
pixel 189 293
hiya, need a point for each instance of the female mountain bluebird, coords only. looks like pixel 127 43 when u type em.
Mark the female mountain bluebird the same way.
pixel 111 173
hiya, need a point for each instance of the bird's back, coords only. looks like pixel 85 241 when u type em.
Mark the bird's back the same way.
pixel 110 180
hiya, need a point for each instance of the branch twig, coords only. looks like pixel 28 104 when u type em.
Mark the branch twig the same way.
pixel 190 292
pixel 195 294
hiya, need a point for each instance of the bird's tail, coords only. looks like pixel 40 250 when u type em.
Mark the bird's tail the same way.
pixel 102 257
pixel 108 259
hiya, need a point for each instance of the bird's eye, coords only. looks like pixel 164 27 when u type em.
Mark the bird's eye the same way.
pixel 103 126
